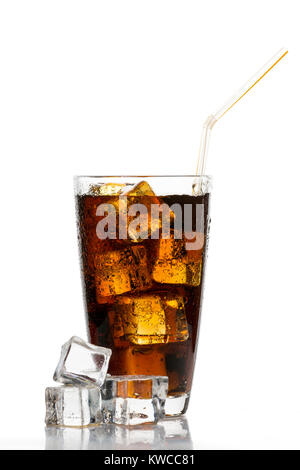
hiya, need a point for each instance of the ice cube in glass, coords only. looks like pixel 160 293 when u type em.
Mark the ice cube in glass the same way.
pixel 134 399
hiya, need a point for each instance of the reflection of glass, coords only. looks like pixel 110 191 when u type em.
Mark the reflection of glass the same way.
pixel 143 243
pixel 172 433
pixel 176 434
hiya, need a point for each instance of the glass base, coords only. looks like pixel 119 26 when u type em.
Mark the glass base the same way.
pixel 177 406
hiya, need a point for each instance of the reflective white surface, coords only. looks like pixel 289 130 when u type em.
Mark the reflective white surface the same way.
pixel 88 105
pixel 171 433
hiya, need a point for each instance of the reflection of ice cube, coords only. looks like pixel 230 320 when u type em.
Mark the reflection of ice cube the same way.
pixel 153 318
pixel 81 362
pixel 73 405
pixel 177 435
pixel 175 264
pixel 175 427
pixel 134 399
pixel 60 438
pixel 102 437
pixel 147 436
pixel 121 271
pixel 170 433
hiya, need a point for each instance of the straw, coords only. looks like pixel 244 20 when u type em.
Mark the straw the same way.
pixel 213 118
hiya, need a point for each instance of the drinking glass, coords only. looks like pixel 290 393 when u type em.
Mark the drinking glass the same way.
pixel 143 244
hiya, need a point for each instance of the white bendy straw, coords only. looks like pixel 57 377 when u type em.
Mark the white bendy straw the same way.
pixel 213 118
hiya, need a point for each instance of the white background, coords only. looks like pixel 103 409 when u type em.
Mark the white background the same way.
pixel 104 87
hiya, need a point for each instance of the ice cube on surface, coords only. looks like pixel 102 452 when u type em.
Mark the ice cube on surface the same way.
pixel 150 318
pixel 134 399
pixel 120 271
pixel 174 264
pixel 73 405
pixel 82 363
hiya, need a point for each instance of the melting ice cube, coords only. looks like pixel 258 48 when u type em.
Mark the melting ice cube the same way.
pixel 82 363
pixel 73 405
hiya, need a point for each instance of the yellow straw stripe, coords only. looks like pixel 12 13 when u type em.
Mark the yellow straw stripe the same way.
pixel 270 68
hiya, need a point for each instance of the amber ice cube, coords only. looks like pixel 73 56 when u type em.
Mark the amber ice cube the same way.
pixel 142 193
pixel 142 189
pixel 107 189
pixel 152 318
pixel 120 271
pixel 175 264
pixel 139 226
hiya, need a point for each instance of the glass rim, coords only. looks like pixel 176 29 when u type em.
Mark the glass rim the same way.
pixel 143 176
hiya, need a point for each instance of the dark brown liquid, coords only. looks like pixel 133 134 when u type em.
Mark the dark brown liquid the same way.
pixel 164 356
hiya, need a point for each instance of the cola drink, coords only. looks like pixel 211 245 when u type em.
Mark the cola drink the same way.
pixel 143 276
